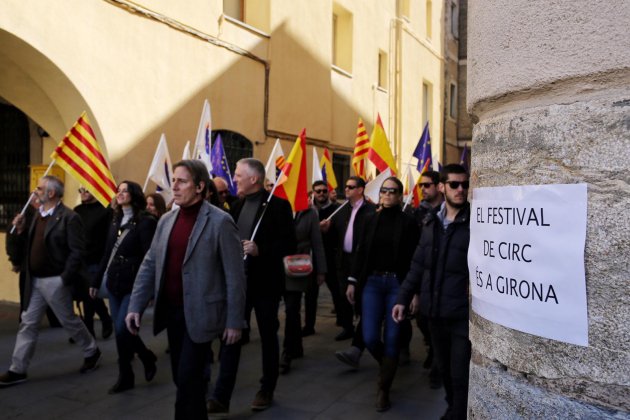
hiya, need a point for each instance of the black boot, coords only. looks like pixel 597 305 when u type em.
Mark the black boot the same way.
pixel 148 359
pixel 125 380
pixel 385 379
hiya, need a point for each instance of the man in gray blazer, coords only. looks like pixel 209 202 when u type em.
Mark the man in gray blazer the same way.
pixel 194 269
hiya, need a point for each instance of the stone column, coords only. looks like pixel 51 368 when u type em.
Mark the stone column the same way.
pixel 549 90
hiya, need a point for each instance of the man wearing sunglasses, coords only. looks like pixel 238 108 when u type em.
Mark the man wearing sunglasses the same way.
pixel 431 196
pixel 348 224
pixel 439 271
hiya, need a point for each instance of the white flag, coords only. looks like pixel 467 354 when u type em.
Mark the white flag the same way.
pixel 373 187
pixel 160 170
pixel 275 162
pixel 317 172
pixel 186 155
pixel 202 147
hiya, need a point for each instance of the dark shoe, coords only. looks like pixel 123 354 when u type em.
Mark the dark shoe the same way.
pixel 350 357
pixel 262 401
pixel 123 383
pixel 150 368
pixel 308 331
pixel 382 401
pixel 91 363
pixel 107 331
pixel 11 378
pixel 285 364
pixel 216 409
pixel 344 335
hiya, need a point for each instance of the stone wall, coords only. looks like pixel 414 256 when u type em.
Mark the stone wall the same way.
pixel 549 84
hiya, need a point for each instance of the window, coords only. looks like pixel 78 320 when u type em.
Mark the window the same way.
pixel 254 13
pixel 234 9
pixel 404 9
pixel 452 109
pixel 382 69
pixel 454 21
pixel 342 38
pixel 235 145
pixel 341 167
pixel 429 19
pixel 14 163
pixel 427 100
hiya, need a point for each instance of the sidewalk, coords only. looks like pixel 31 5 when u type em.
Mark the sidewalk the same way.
pixel 318 386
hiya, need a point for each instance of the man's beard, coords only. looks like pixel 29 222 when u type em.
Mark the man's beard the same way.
pixel 455 205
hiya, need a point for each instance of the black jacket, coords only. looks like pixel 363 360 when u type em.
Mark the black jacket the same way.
pixel 275 240
pixel 439 269
pixel 340 223
pixel 406 235
pixel 65 245
pixel 122 271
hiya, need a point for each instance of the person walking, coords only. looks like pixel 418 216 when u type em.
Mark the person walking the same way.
pixel 383 258
pixel 128 240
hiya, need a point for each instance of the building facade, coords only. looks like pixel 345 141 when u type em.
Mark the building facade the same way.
pixel 268 68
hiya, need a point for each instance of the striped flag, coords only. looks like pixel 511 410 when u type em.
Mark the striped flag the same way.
pixel 327 171
pixel 380 154
pixel 361 147
pixel 79 155
pixel 291 184
pixel 275 162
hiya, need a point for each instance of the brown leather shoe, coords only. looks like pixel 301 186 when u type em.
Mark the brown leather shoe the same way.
pixel 262 401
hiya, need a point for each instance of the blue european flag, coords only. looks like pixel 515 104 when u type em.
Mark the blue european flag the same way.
pixel 220 165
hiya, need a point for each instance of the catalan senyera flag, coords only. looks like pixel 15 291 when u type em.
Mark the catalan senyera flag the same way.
pixel 361 147
pixel 380 153
pixel 292 183
pixel 79 155
pixel 327 171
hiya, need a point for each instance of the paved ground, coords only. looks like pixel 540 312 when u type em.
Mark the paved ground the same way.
pixel 318 387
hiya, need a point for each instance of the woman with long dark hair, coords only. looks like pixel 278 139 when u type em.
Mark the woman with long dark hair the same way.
pixel 129 238
pixel 383 260
pixel 156 205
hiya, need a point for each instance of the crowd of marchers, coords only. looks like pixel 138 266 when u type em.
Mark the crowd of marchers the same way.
pixel 207 260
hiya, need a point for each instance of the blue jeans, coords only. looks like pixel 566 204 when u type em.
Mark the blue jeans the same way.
pixel 119 308
pixel 378 299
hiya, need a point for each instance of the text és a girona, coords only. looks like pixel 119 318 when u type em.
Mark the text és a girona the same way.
pixel 523 289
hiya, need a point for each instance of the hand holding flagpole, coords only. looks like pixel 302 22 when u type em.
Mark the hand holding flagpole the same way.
pixel 30 197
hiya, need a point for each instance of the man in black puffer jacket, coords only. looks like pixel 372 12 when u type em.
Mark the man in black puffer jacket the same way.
pixel 437 284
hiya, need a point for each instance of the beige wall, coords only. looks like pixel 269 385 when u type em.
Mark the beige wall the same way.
pixel 142 72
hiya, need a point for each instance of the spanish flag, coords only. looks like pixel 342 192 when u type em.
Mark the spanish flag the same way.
pixel 80 156
pixel 328 174
pixel 361 147
pixel 380 154
pixel 292 184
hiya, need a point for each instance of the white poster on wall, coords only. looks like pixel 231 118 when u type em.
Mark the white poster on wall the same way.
pixel 526 259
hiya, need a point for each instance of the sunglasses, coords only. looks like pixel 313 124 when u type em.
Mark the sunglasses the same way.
pixel 321 191
pixel 455 184
pixel 385 190
pixel 350 187
pixel 425 184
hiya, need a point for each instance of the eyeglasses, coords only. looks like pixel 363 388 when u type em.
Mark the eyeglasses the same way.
pixel 385 190
pixel 425 184
pixel 321 191
pixel 351 187
pixel 455 184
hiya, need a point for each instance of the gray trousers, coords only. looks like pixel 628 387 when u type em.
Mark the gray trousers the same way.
pixel 48 291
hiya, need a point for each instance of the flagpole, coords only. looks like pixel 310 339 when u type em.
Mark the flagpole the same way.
pixel 273 189
pixel 337 211
pixel 30 197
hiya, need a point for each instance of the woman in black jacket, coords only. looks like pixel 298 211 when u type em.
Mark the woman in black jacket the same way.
pixel 129 238
pixel 384 253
